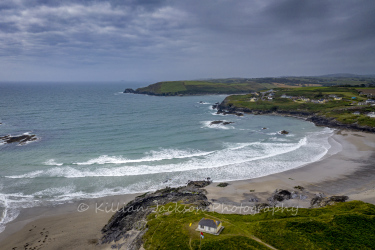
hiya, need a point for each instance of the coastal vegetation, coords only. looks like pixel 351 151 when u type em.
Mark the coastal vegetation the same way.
pixel 245 85
pixel 344 105
pixel 347 225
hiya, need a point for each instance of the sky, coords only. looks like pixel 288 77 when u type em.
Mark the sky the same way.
pixel 160 40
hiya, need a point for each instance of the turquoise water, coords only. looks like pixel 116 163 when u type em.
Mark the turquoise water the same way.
pixel 96 141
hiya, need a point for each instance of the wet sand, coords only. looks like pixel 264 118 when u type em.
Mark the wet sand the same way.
pixel 347 169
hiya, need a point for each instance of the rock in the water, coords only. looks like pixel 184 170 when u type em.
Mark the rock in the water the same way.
pixel 131 91
pixel 226 123
pixel 284 132
pixel 220 122
pixel 216 122
pixel 21 139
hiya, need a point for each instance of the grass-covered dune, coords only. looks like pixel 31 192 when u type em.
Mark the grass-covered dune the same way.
pixel 349 225
pixel 347 110
pixel 246 85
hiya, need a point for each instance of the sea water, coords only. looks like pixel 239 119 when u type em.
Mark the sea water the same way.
pixel 95 141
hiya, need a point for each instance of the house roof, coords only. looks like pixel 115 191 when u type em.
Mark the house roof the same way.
pixel 209 223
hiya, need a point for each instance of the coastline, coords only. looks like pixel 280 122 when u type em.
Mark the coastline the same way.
pixel 342 171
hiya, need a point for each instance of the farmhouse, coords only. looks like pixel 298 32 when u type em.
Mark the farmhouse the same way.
pixel 210 226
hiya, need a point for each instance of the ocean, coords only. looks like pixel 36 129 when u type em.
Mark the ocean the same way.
pixel 95 141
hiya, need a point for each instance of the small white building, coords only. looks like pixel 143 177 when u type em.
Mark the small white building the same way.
pixel 371 114
pixel 210 226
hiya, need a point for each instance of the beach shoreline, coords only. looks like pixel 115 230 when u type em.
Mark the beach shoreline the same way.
pixel 345 170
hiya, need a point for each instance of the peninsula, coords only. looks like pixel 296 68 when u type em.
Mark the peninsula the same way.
pixel 246 85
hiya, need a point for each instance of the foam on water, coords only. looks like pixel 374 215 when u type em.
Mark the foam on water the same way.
pixel 153 155
pixel 207 124
pixel 236 153
pixel 52 162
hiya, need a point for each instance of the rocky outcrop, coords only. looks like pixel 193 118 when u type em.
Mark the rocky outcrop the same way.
pixel 320 200
pixel 280 195
pixel 220 122
pixel 227 108
pixel 130 91
pixel 284 132
pixel 20 139
pixel 129 223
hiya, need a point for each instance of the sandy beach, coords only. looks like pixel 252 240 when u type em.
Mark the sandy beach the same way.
pixel 347 169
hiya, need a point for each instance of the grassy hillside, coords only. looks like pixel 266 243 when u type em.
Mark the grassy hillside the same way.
pixel 342 110
pixel 201 87
pixel 349 225
pixel 246 85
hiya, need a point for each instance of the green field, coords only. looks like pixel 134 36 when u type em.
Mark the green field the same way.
pixel 246 85
pixel 341 110
pixel 349 225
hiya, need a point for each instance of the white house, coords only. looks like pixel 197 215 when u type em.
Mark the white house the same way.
pixel 210 226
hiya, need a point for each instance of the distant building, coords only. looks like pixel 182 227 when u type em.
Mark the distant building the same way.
pixel 210 226
pixel 370 101
pixel 333 96
pixel 322 101
pixel 371 114
pixel 285 96
pixel 356 113
pixel 253 99
pixel 337 98
pixel 361 103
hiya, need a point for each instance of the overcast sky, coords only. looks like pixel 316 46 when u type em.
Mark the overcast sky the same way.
pixel 152 40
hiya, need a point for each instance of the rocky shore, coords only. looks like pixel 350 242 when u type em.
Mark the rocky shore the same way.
pixel 128 225
pixel 228 109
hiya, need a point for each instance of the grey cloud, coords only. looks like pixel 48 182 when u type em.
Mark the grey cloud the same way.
pixel 177 39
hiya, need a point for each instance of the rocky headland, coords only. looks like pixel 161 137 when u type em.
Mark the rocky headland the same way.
pixel 226 108
pixel 129 223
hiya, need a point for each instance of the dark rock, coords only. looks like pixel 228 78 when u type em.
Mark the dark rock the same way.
pixel 216 122
pixel 129 222
pixel 21 139
pixel 226 123
pixel 342 198
pixel 199 184
pixel 284 132
pixel 253 200
pixel 320 200
pixel 280 195
pixel 220 122
pixel 223 184
pixel 131 91
pixel 264 128
pixel 299 188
